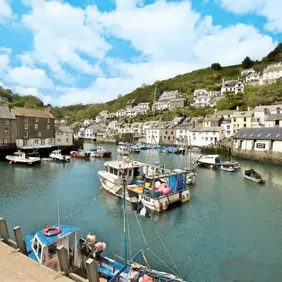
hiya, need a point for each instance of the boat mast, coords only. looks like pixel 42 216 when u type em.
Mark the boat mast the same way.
pixel 124 223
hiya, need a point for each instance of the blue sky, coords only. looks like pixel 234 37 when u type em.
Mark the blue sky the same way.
pixel 87 51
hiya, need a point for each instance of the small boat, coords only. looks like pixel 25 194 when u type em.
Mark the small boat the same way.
pixel 213 162
pixel 100 152
pixel 80 155
pixel 228 169
pixel 56 155
pixel 123 150
pixel 23 159
pixel 47 159
pixel 252 175
pixel 135 149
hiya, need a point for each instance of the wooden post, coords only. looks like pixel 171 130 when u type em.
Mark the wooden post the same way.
pixel 63 257
pixel 4 232
pixel 19 239
pixel 92 270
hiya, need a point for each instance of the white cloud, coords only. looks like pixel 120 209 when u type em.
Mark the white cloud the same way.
pixel 26 76
pixel 5 10
pixel 4 59
pixel 63 37
pixel 267 8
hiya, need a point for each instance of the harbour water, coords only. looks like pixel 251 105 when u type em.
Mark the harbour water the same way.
pixel 231 228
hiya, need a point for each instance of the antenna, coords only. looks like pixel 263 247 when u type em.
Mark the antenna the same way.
pixel 58 213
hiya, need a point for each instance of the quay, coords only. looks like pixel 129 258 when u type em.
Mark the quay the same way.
pixel 16 266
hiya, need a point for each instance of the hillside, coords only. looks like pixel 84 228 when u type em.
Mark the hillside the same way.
pixel 208 78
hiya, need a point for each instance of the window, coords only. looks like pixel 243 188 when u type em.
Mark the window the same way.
pixel 211 138
pixel 207 138
pixel 25 134
pixel 42 141
pixel 7 141
pixel 36 126
pixel 26 119
pixel 67 140
pixel 59 140
pixel 7 122
pixel 48 120
pixel 7 131
pixel 37 120
pixel 245 119
pixel 276 122
pixel 26 126
pixel 39 134
pixel 48 126
pixel 234 119
pixel 245 125
pixel 36 141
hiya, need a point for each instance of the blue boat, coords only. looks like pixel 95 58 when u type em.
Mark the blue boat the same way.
pixel 42 246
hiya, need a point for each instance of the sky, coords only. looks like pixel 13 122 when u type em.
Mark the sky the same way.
pixel 90 51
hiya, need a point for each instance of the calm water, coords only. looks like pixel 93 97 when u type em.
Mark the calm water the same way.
pixel 231 228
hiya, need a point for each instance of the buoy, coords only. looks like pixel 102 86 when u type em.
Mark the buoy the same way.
pixel 157 184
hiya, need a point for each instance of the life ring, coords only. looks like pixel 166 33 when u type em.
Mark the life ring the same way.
pixel 55 231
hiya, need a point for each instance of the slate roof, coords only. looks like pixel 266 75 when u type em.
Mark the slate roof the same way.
pixel 213 118
pixel 31 113
pixel 5 113
pixel 243 114
pixel 64 129
pixel 224 112
pixel 274 117
pixel 271 108
pixel 206 129
pixel 266 133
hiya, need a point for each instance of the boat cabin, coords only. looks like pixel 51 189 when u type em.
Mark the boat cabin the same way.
pixel 20 154
pixel 209 159
pixel 42 246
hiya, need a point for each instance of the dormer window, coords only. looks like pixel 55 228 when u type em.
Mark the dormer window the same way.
pixel 278 110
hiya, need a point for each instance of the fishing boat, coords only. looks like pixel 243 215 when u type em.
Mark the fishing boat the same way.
pixel 123 150
pixel 80 155
pixel 57 156
pixel 42 248
pixel 135 149
pixel 23 159
pixel 228 169
pixel 254 176
pixel 213 161
pixel 100 152
pixel 156 186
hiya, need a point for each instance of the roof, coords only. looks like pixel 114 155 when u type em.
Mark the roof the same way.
pixel 5 113
pixel 31 113
pixel 95 127
pixel 270 108
pixel 177 119
pixel 66 231
pixel 64 129
pixel 265 133
pixel 243 114
pixel 177 100
pixel 231 82
pixel 144 103
pixel 206 129
pixel 274 117
pixel 273 69
pixel 213 118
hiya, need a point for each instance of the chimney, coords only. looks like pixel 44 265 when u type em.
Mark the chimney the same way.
pixel 248 109
pixel 237 108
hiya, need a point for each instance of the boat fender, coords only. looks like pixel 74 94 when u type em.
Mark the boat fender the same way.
pixel 52 231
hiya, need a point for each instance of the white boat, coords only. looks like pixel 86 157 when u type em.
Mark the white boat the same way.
pixel 156 189
pixel 57 155
pixel 228 169
pixel 22 158
pixel 123 150
pixel 135 149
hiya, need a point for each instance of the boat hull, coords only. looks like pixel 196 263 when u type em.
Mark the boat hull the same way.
pixel 154 204
pixel 253 179
pixel 28 162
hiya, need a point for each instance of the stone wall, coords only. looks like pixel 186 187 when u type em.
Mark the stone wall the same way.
pixel 265 156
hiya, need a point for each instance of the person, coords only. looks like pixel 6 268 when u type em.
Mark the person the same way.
pixel 133 275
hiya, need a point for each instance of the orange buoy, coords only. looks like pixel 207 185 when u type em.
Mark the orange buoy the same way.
pixel 52 231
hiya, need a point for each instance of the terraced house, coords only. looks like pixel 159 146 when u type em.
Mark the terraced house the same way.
pixel 35 128
pixel 8 128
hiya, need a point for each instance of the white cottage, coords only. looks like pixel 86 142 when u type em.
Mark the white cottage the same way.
pixel 206 136
pixel 232 86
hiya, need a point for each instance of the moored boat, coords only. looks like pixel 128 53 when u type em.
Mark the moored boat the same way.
pixel 254 176
pixel 80 155
pixel 100 152
pixel 157 187
pixel 23 159
pixel 57 156
pixel 123 150
pixel 135 149
pixel 213 161
pixel 228 169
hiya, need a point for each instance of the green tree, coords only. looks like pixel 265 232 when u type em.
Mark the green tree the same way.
pixel 216 66
pixel 247 63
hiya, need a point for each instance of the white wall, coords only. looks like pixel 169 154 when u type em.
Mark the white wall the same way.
pixel 277 146
pixel 204 138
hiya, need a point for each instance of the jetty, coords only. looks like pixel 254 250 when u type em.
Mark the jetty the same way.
pixel 16 266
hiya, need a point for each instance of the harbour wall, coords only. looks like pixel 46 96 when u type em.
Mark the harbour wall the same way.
pixel 264 156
